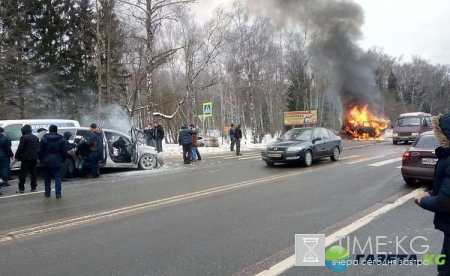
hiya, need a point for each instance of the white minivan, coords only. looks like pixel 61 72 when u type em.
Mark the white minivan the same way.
pixel 13 129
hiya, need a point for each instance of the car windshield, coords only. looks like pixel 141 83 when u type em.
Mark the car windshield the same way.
pixel 297 134
pixel 426 142
pixel 409 122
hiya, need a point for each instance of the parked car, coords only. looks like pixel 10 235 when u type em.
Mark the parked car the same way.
pixel 13 130
pixel 303 145
pixel 420 159
pixel 410 125
pixel 134 155
pixel 208 141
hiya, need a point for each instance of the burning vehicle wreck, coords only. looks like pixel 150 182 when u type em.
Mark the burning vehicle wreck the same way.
pixel 361 123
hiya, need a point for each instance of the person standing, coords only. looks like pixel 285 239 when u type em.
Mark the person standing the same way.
pixel 438 200
pixel 231 133
pixel 199 157
pixel 52 153
pixel 95 142
pixel 194 142
pixel 5 157
pixel 159 136
pixel 149 134
pixel 27 154
pixel 237 138
pixel 185 140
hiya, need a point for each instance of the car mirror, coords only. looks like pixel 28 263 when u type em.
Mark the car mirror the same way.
pixel 316 139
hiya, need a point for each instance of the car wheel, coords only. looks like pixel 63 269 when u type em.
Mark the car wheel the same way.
pixel 148 162
pixel 395 142
pixel 336 153
pixel 308 159
pixel 270 163
pixel 202 145
pixel 409 180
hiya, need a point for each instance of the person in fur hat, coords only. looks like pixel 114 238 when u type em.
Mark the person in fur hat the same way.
pixel 438 200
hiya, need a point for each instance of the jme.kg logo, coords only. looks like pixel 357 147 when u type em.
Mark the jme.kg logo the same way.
pixel 310 251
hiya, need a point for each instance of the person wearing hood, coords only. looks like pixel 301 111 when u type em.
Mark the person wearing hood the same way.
pixel 5 155
pixel 27 154
pixel 52 153
pixel 438 200
pixel 95 142
pixel 185 139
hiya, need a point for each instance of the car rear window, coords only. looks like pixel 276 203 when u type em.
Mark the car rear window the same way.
pixel 427 142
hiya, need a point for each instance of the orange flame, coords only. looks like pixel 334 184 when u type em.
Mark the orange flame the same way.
pixel 363 124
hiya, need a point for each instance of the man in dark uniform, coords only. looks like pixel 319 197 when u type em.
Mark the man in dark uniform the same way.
pixel 238 137
pixel 27 154
pixel 5 155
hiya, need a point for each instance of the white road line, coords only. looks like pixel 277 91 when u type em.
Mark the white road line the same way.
pixel 350 157
pixel 290 261
pixel 399 167
pixel 25 194
pixel 242 156
pixel 385 162
pixel 364 159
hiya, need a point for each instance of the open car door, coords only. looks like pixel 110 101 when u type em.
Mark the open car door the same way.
pixel 135 145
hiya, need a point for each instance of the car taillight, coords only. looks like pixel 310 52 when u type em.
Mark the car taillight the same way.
pixel 406 156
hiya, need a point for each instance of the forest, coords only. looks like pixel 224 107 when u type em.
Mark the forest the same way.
pixel 141 60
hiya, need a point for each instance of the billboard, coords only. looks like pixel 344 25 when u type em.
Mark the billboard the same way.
pixel 300 118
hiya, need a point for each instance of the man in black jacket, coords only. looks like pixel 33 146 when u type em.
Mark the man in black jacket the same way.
pixel 149 134
pixel 159 136
pixel 185 139
pixel 237 138
pixel 95 142
pixel 231 134
pixel 27 155
pixel 438 201
pixel 5 155
pixel 52 153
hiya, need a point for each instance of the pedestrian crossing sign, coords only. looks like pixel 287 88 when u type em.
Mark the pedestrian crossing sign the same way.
pixel 207 109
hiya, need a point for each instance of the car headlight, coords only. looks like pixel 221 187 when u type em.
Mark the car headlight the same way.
pixel 295 148
pixel 415 134
pixel 395 134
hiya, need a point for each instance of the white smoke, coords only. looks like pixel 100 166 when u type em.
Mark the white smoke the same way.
pixel 112 117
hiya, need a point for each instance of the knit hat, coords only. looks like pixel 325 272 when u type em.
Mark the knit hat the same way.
pixel 53 128
pixel 2 130
pixel 93 125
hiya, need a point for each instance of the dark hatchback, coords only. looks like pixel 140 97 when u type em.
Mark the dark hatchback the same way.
pixel 303 145
pixel 420 159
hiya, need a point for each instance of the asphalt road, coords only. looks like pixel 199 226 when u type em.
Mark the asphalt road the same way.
pixel 222 216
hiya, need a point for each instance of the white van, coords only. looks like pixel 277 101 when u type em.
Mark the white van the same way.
pixel 13 129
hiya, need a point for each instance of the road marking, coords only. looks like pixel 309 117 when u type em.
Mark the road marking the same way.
pixel 385 162
pixel 25 194
pixel 399 167
pixel 242 156
pixel 51 227
pixel 364 159
pixel 290 261
pixel 350 157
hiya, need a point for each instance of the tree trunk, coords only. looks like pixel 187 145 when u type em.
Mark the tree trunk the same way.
pixel 150 62
pixel 99 62
pixel 252 111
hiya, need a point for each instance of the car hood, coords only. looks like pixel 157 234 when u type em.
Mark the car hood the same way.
pixel 290 143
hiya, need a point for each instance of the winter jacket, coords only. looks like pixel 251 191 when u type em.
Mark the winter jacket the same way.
pixel 95 140
pixel 185 136
pixel 238 133
pixel 28 145
pixel 439 199
pixel 5 147
pixel 194 138
pixel 52 150
pixel 159 132
pixel 232 132
pixel 149 133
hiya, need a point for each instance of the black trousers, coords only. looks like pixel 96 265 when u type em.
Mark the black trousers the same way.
pixel 238 146
pixel 444 269
pixel 25 167
pixel 199 157
pixel 233 141
pixel 187 153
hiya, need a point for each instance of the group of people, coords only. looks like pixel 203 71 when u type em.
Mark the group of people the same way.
pixel 51 150
pixel 235 134
pixel 154 133
pixel 188 139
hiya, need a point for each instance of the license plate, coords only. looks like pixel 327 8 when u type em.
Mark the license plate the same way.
pixel 275 155
pixel 429 161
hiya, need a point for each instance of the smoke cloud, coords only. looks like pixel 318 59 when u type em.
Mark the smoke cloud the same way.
pixel 113 117
pixel 336 28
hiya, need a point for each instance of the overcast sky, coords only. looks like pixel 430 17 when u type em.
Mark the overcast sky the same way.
pixel 402 27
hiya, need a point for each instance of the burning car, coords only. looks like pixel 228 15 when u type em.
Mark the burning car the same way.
pixel 362 124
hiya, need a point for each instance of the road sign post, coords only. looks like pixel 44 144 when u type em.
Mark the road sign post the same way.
pixel 207 112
